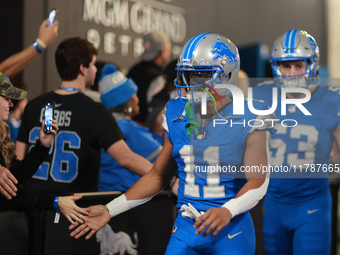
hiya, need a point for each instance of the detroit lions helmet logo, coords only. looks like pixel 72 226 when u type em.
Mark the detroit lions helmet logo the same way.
pixel 221 49
pixel 312 43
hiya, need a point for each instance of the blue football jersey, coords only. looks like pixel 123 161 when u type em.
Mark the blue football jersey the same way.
pixel 209 162
pixel 304 148
pixel 112 176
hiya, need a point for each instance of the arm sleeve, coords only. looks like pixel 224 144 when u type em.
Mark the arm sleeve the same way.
pixel 248 200
pixel 121 204
pixel 24 169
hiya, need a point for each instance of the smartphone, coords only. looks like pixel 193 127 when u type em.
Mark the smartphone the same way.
pixel 48 116
pixel 51 16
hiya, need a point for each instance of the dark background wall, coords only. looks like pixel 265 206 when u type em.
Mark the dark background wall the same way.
pixel 245 22
pixel 11 25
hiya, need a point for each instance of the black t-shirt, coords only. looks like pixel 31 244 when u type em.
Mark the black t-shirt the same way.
pixel 84 128
pixel 143 74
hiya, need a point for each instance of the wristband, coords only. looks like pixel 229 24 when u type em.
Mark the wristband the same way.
pixel 120 204
pixel 233 207
pixel 36 46
pixel 41 43
pixel 55 204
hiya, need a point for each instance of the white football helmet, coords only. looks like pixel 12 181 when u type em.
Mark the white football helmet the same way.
pixel 295 45
pixel 207 59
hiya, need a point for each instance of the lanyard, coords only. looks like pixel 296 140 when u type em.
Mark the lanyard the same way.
pixel 68 89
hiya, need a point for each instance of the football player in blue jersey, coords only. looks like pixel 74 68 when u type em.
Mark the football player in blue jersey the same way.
pixel 214 194
pixel 297 211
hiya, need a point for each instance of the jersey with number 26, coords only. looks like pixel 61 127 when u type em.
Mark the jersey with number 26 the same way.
pixel 84 128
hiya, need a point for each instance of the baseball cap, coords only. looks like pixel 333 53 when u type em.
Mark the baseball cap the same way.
pixel 8 90
pixel 115 89
pixel 153 44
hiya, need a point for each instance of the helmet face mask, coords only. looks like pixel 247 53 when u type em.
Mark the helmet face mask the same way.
pixel 294 73
pixel 295 46
pixel 206 60
pixel 194 78
pixel 195 83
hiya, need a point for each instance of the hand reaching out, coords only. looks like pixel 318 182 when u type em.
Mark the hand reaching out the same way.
pixel 215 219
pixel 71 211
pixel 98 216
pixel 7 183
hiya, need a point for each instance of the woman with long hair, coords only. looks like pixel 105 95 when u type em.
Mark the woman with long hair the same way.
pixel 14 172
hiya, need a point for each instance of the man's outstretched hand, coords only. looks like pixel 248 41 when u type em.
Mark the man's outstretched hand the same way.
pixel 98 216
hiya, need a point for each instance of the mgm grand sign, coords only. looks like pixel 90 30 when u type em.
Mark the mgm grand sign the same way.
pixel 121 24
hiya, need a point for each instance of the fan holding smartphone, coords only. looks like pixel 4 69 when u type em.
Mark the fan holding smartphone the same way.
pixel 17 62
pixel 49 113
pixel 51 16
pixel 39 44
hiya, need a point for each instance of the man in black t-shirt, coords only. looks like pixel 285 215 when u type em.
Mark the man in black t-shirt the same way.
pixel 85 127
